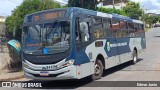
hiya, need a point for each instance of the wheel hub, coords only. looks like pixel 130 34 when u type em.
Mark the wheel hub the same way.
pixel 97 69
pixel 135 58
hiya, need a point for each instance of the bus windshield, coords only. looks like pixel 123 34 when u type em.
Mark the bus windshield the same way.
pixel 55 36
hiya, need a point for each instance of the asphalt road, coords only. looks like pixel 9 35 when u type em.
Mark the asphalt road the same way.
pixel 147 69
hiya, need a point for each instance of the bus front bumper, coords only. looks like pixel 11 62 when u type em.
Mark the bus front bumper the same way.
pixel 61 74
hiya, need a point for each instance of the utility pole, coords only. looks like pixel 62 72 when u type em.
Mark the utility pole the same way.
pixel 113 3
pixel 143 13
pixel 102 3
pixel 121 4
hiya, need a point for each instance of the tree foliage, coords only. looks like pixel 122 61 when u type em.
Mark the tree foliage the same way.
pixel 111 11
pixel 88 4
pixel 133 10
pixel 151 19
pixel 27 7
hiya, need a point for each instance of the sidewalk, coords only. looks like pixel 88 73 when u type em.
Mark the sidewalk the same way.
pixel 8 75
pixel 6 61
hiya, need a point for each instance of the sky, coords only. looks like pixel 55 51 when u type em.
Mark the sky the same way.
pixel 150 6
pixel 6 6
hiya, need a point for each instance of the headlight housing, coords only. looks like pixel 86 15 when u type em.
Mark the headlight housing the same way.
pixel 68 63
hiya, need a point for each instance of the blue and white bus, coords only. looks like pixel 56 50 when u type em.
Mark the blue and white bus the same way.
pixel 74 43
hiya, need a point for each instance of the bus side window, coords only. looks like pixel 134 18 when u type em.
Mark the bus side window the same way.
pixel 123 26
pixel 116 31
pixel 136 29
pixel 131 30
pixel 84 32
pixel 97 28
pixel 107 27
pixel 141 29
pixel 82 29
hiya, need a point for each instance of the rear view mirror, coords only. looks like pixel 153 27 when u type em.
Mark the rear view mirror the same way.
pixel 15 45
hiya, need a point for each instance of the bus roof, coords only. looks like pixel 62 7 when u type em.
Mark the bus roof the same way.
pixel 90 12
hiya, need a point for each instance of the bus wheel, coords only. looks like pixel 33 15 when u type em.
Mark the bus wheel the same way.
pixel 135 57
pixel 98 70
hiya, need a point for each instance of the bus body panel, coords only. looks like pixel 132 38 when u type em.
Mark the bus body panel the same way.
pixel 114 50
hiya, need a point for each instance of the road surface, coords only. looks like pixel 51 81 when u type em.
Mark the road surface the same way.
pixel 147 69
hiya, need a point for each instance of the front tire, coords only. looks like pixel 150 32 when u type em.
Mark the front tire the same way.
pixel 98 70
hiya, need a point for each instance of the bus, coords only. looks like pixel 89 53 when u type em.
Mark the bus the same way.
pixel 73 43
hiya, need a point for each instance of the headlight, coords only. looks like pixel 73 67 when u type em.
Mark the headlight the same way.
pixel 68 63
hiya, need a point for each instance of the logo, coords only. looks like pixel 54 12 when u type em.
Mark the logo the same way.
pixel 6 84
pixel 108 46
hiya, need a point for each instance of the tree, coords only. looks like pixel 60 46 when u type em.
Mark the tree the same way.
pixel 152 20
pixel 133 10
pixel 27 7
pixel 159 19
pixel 88 4
pixel 110 10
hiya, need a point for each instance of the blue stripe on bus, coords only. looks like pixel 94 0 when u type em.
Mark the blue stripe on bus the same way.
pixel 81 57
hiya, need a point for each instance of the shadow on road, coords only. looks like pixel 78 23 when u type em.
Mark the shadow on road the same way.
pixel 157 36
pixel 73 84
pixel 119 67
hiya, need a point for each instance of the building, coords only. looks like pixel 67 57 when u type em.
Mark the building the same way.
pixel 62 2
pixel 2 26
pixel 118 4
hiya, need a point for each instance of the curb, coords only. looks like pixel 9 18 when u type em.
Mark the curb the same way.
pixel 12 78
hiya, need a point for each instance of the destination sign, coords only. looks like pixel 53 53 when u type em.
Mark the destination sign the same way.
pixel 53 15
pixel 37 18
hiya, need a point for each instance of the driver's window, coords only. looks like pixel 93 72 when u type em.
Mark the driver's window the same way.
pixel 82 29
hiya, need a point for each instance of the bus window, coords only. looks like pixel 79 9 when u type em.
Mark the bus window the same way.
pixel 116 31
pixel 56 34
pixel 82 29
pixel 130 26
pixel 140 30
pixel 97 29
pixel 106 23
pixel 97 20
pixel 131 30
pixel 141 27
pixel 115 24
pixel 136 29
pixel 123 26
pixel 107 27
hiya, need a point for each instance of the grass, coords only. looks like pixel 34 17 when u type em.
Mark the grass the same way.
pixel 21 71
pixel 147 29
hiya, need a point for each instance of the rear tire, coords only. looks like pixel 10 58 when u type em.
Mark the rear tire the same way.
pixel 135 57
pixel 98 70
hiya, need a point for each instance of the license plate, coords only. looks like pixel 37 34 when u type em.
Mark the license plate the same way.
pixel 44 74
